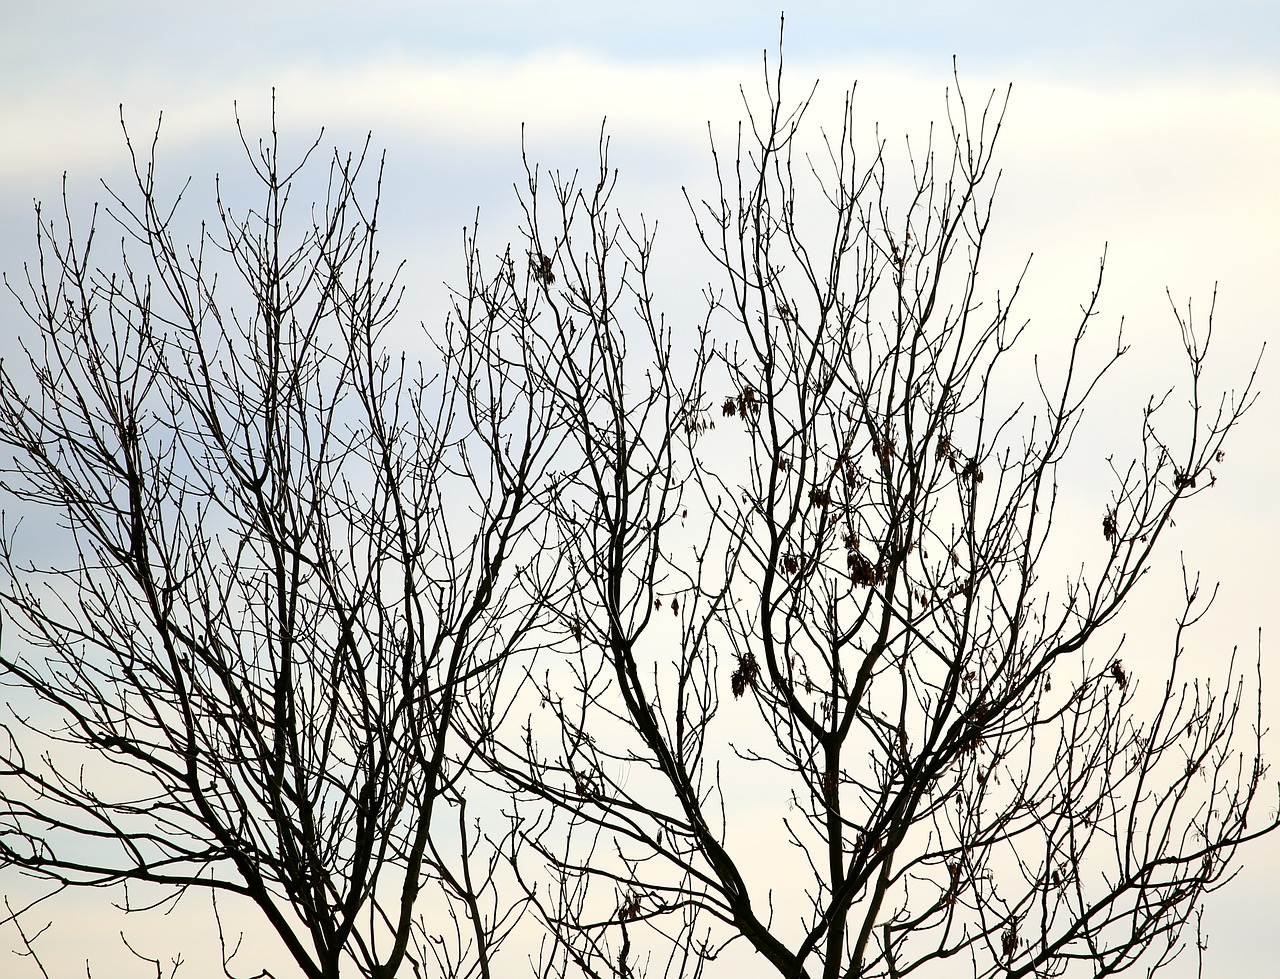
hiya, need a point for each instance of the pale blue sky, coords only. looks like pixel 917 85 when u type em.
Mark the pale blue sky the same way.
pixel 1102 37
pixel 1151 126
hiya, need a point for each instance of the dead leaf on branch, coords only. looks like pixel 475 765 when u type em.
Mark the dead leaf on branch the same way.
pixel 746 676
pixel 541 269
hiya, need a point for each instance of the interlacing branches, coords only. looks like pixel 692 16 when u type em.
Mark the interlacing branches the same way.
pixel 608 644
pixel 290 561
pixel 837 504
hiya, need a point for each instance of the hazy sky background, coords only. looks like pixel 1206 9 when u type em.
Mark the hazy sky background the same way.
pixel 1153 127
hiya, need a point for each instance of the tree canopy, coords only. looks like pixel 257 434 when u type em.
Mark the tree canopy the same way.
pixel 614 635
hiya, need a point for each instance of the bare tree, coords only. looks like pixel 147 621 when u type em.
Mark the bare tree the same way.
pixel 286 561
pixel 738 628
pixel 841 511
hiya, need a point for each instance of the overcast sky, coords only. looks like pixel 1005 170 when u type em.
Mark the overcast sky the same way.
pixel 1150 127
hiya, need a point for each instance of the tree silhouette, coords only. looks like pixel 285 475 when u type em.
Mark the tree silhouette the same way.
pixel 805 549
pixel 663 638
pixel 286 573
